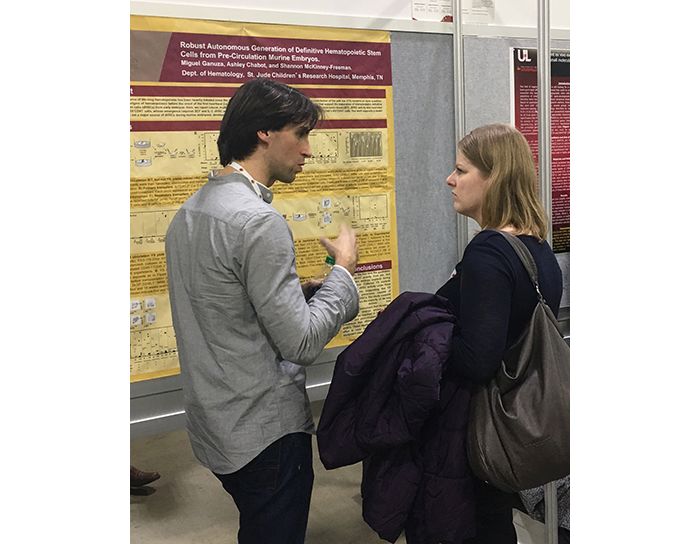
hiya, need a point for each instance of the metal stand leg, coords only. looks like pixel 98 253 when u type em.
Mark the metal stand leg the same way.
pixel 551 521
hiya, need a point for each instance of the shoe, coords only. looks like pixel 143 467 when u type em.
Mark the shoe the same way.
pixel 139 477
pixel 144 491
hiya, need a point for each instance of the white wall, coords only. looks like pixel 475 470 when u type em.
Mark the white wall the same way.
pixel 511 13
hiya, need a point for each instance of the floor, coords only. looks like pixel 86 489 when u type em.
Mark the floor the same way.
pixel 188 505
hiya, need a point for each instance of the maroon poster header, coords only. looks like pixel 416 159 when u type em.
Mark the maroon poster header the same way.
pixel 373 267
pixel 237 59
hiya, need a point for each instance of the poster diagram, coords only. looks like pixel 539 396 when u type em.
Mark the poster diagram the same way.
pixel 183 72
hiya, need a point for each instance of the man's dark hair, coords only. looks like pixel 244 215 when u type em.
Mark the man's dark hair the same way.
pixel 261 104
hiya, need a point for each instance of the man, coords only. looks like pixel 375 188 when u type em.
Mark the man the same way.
pixel 244 328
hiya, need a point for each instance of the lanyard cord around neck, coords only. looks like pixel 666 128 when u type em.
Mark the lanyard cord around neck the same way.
pixel 240 169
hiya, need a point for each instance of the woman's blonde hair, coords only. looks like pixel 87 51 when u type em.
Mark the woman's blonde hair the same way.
pixel 503 156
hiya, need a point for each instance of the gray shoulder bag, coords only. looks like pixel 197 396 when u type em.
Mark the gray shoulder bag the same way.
pixel 518 436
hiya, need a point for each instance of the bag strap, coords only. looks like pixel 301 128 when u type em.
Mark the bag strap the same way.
pixel 526 258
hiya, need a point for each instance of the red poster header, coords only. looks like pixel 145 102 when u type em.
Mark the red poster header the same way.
pixel 236 59
pixel 373 267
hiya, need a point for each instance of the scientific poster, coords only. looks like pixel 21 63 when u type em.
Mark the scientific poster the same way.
pixel 525 113
pixel 183 72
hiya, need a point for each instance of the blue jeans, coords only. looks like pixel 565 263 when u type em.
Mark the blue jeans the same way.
pixel 273 492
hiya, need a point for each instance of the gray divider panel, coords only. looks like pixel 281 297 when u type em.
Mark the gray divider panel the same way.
pixel 425 154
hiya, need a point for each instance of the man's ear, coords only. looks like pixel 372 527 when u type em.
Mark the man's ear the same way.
pixel 264 136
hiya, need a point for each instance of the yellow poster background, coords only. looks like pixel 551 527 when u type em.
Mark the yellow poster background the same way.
pixel 350 179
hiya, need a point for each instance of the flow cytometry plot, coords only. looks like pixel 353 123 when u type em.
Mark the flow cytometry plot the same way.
pixel 375 206
pixel 211 149
pixel 162 221
pixel 153 343
pixel 150 224
pixel 324 146
pixel 136 225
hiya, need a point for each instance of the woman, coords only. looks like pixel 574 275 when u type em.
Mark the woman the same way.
pixel 494 182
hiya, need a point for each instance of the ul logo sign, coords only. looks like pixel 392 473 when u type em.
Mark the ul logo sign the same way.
pixel 523 55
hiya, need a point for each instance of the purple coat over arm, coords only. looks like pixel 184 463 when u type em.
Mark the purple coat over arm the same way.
pixel 390 406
